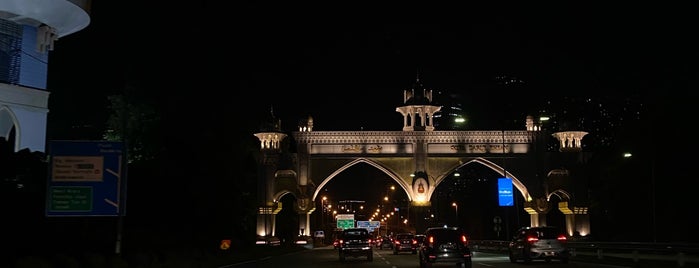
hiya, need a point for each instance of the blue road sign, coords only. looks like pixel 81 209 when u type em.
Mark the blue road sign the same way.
pixel 85 178
pixel 505 194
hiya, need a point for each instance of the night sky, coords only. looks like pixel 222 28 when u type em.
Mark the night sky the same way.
pixel 214 73
pixel 351 75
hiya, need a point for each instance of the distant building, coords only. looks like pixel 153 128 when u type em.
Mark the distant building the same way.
pixel 452 115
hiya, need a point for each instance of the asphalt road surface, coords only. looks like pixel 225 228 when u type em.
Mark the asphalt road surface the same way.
pixel 327 257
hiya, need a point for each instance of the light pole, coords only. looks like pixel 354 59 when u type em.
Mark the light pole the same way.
pixel 388 199
pixel 456 208
pixel 323 211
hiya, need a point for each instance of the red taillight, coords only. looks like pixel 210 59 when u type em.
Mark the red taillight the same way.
pixel 464 240
pixel 430 240
pixel 341 242
pixel 532 239
pixel 370 241
pixel 397 242
pixel 414 241
pixel 561 238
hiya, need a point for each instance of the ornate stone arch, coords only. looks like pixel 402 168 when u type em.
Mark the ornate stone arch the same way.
pixel 377 165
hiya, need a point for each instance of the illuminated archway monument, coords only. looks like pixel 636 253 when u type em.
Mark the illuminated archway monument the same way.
pixel 418 159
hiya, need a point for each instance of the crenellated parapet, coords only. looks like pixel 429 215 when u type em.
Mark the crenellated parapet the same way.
pixel 339 137
pixel 438 142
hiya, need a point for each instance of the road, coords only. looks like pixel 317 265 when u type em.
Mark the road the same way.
pixel 383 258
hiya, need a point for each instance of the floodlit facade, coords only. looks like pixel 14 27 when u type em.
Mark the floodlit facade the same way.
pixel 417 158
pixel 28 30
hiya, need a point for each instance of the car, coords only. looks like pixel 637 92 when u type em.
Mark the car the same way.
pixel 336 236
pixel 336 243
pixel 420 238
pixel 404 242
pixel 446 244
pixel 386 241
pixel 319 234
pixel 539 243
pixel 355 242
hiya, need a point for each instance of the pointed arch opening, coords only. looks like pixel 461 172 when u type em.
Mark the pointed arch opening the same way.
pixel 494 167
pixel 9 127
pixel 369 162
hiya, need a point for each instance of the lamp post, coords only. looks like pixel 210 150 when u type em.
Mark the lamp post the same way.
pixel 456 208
pixel 386 206
pixel 323 211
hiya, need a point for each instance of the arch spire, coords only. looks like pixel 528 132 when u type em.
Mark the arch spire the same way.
pixel 418 110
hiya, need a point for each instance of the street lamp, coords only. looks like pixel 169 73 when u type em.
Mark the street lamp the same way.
pixel 456 206
pixel 323 211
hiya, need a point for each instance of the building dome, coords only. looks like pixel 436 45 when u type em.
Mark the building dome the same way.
pixel 271 123
pixel 418 95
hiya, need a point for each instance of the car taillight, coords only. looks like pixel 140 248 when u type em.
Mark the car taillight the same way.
pixel 369 240
pixel 532 239
pixel 561 238
pixel 464 240
pixel 414 241
pixel 341 242
pixel 430 240
pixel 397 242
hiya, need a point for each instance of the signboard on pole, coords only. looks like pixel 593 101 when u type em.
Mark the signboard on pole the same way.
pixel 345 221
pixel 85 178
pixel 505 194
pixel 369 225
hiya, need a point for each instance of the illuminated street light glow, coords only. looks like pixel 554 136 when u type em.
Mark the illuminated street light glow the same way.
pixel 456 206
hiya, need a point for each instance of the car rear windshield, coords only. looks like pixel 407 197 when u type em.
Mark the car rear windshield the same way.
pixel 545 233
pixel 449 235
pixel 404 236
pixel 356 233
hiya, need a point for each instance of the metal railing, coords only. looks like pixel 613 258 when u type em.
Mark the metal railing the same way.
pixel 681 254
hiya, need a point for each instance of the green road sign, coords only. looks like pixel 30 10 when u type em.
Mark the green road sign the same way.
pixel 345 224
pixel 75 198
pixel 345 221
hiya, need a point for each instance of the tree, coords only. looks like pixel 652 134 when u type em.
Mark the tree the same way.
pixel 135 122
